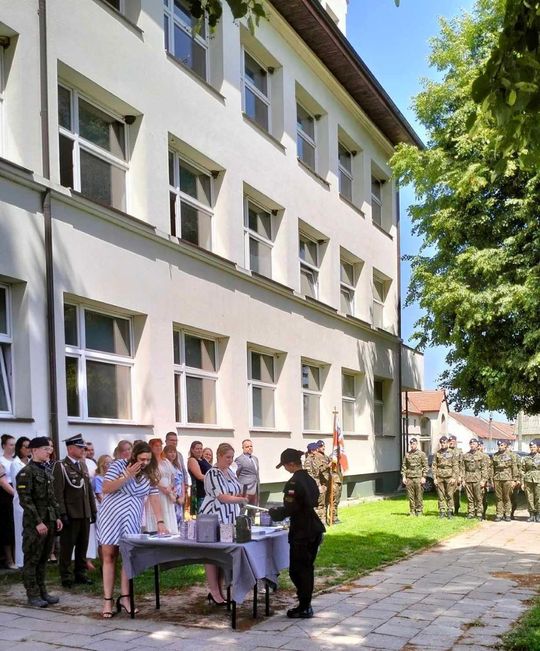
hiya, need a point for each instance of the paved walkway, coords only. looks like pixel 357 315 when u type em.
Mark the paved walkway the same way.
pixel 461 595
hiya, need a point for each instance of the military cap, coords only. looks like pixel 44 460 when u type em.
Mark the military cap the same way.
pixel 320 443
pixel 474 441
pixel 535 442
pixel 452 437
pixel 290 456
pixel 413 440
pixel 312 447
pixel 77 440
pixel 502 442
pixel 443 439
pixel 39 442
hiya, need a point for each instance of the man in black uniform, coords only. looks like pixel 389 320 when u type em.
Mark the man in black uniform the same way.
pixel 41 520
pixel 300 497
pixel 77 504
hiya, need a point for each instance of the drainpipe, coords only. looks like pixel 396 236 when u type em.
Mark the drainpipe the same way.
pixel 47 225
pixel 402 449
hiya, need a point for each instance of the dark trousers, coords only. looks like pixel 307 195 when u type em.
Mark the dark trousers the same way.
pixel 36 551
pixel 74 535
pixel 302 567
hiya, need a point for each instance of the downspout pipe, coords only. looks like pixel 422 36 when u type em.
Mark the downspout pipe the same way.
pixel 402 448
pixel 47 226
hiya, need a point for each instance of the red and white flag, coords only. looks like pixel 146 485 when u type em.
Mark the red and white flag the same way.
pixel 338 447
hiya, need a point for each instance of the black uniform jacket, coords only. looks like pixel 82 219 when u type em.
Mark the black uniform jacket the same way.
pixel 73 490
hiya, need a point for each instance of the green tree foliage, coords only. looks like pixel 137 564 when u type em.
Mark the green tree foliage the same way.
pixel 477 274
pixel 213 10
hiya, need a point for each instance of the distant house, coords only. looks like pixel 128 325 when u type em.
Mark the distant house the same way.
pixel 527 429
pixel 490 431
pixel 425 415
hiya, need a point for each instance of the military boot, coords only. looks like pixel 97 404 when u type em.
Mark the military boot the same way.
pixel 49 598
pixel 37 602
pixel 538 517
pixel 531 518
pixel 442 515
pixel 450 515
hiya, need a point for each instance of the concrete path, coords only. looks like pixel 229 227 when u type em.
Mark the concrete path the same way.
pixel 461 595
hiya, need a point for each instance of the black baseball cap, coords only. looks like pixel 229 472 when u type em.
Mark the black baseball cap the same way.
pixel 39 442
pixel 290 456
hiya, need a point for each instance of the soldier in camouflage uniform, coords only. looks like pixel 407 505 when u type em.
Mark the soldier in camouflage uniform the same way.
pixel 514 495
pixel 531 481
pixel 41 521
pixel 336 480
pixel 487 462
pixel 474 471
pixel 446 472
pixel 452 444
pixel 504 472
pixel 413 474
pixel 317 468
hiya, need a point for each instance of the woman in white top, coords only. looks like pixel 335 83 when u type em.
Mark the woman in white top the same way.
pixel 21 458
pixel 223 498
pixel 167 492
pixel 7 533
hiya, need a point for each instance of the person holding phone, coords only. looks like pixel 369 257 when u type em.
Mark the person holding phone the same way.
pixel 126 486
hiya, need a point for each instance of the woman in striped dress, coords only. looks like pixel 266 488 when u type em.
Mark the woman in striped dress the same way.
pixel 126 486
pixel 224 499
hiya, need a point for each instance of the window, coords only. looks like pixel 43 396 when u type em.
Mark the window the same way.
pixel 262 388
pixel 116 4
pixel 93 146
pixel 376 200
pixel 256 92
pixel 190 193
pixel 6 383
pixel 348 401
pixel 345 172
pixel 378 407
pixel 347 286
pixel 99 361
pixel 311 396
pixel 305 136
pixel 309 266
pixel 379 296
pixel 185 38
pixel 258 229
pixel 195 378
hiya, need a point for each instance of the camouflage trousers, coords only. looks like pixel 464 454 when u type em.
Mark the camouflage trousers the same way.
pixel 457 497
pixel 320 509
pixel 475 498
pixel 415 493
pixel 445 495
pixel 503 497
pixel 532 491
pixel 332 509
pixel 36 551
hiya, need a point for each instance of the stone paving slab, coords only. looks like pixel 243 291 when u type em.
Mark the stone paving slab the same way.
pixel 461 595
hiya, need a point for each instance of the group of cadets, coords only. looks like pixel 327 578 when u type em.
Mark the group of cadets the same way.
pixel 329 479
pixel 474 470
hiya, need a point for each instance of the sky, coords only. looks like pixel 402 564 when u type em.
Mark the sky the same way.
pixel 394 43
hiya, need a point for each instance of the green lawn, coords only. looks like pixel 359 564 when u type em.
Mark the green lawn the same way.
pixel 370 535
pixel 525 636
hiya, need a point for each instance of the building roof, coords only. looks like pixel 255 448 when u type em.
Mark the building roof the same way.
pixel 316 28
pixel 484 429
pixel 422 401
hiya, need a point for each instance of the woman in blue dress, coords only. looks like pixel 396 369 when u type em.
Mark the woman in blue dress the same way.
pixel 126 486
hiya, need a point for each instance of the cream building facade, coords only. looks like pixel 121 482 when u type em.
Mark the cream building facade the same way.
pixel 198 233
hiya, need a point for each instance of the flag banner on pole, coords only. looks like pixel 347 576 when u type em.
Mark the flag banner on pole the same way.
pixel 338 447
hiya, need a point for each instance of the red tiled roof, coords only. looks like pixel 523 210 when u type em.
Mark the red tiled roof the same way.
pixel 424 401
pixel 413 409
pixel 481 427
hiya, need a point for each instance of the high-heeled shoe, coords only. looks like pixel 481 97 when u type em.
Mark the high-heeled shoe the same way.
pixel 120 606
pixel 211 600
pixel 107 614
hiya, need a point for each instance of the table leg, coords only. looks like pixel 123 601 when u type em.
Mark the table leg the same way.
pixel 233 617
pixel 229 599
pixel 266 599
pixel 156 586
pixel 132 599
pixel 255 595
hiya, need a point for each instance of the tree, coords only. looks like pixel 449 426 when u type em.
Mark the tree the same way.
pixel 213 10
pixel 477 274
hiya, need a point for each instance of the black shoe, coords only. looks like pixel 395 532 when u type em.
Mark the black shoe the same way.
pixel 470 516
pixel 49 598
pixel 37 602
pixel 507 518
pixel 442 515
pixel 83 580
pixel 67 584
pixel 293 612
pixel 450 515
pixel 480 518
pixel 531 518
pixel 120 606
pixel 211 600
pixel 538 517
pixel 337 521
pixel 498 518
pixel 300 613
pixel 512 514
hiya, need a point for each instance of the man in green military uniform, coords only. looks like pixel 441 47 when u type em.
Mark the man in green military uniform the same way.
pixel 514 495
pixel 413 475
pixel 504 473
pixel 334 488
pixel 41 521
pixel 474 472
pixel 487 464
pixel 318 469
pixel 531 481
pixel 452 445
pixel 446 472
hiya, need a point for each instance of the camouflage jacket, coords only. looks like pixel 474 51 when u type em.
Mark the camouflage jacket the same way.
pixel 530 467
pixel 475 466
pixel 415 465
pixel 36 495
pixel 504 467
pixel 317 467
pixel 445 465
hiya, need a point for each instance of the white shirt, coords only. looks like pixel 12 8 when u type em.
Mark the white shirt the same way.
pixel 7 466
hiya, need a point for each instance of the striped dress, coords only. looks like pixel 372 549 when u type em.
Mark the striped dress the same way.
pixel 120 513
pixel 220 482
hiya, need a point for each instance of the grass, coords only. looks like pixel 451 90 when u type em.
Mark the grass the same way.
pixel 371 535
pixel 525 636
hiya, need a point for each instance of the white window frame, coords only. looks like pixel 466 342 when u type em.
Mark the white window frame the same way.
pixel 378 305
pixel 345 172
pixel 252 383
pixel 247 83
pixel 121 6
pixel 184 371
pixel 187 29
pixel 81 143
pixel 180 196
pixel 315 269
pixel 349 400
pixel 306 137
pixel 251 234
pixel 311 392
pixel 381 405
pixel 376 201
pixel 6 339
pixel 83 354
pixel 345 287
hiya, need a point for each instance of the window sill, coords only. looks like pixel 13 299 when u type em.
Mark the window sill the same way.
pixel 310 299
pixel 355 319
pixel 15 419
pixel 310 433
pixel 261 431
pixel 120 16
pixel 203 427
pixel 206 251
pixel 263 132
pixel 207 86
pixel 107 423
pixel 313 174
pixel 352 206
pixel 383 231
